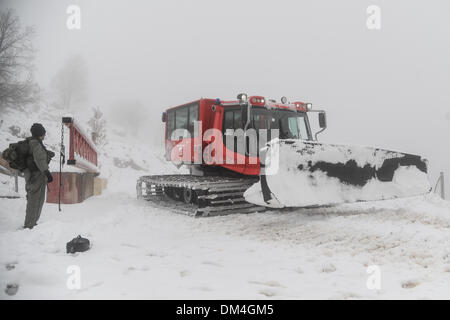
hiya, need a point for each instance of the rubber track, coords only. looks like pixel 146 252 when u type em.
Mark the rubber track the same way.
pixel 216 195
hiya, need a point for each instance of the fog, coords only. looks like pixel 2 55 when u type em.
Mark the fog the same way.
pixel 387 87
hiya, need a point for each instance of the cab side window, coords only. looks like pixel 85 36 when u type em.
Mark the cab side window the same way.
pixel 232 121
pixel 237 120
pixel 193 116
pixel 170 123
pixel 293 127
pixel 182 118
pixel 228 120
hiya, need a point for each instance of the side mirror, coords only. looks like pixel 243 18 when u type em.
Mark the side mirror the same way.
pixel 164 116
pixel 322 120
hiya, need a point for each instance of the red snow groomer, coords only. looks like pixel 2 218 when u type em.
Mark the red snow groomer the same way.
pixel 251 153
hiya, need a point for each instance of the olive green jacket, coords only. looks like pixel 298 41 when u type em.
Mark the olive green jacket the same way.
pixel 40 155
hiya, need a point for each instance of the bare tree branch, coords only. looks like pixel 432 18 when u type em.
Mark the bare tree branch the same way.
pixel 17 87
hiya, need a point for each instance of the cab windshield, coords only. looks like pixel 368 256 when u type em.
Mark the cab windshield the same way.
pixel 291 125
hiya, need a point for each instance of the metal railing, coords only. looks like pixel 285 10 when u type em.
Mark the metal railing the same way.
pixel 82 150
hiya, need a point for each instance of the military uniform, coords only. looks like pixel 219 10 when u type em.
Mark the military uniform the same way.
pixel 36 178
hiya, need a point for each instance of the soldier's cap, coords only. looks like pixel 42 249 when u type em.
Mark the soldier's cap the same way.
pixel 37 130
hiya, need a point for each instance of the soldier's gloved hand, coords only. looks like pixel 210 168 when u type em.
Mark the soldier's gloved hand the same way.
pixel 49 176
pixel 50 154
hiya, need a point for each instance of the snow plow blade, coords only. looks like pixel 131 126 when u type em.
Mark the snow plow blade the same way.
pixel 298 173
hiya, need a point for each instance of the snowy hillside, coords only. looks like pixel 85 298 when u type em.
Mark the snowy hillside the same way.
pixel 140 250
pixel 122 160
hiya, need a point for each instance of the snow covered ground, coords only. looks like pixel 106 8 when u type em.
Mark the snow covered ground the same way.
pixel 140 251
pixel 143 251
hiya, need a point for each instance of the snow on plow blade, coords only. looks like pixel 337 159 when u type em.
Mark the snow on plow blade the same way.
pixel 299 173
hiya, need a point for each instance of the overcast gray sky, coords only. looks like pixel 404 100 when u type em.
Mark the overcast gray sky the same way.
pixel 387 87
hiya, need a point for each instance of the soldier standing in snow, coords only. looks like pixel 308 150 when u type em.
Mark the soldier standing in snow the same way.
pixel 36 175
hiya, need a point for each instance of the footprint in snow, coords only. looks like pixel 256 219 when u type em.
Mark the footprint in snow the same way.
pixel 327 268
pixel 349 296
pixel 410 284
pixel 94 285
pixel 268 292
pixel 212 263
pixel 130 269
pixel 116 258
pixel 129 245
pixel 155 254
pixel 184 273
pixel 202 288
pixel 273 284
pixel 11 289
pixel 10 266
pixel 53 250
pixel 298 270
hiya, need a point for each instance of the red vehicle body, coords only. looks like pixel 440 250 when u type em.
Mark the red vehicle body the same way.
pixel 272 154
pixel 187 149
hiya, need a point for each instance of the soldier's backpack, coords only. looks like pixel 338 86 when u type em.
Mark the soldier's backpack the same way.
pixel 19 157
pixel 78 244
pixel 17 154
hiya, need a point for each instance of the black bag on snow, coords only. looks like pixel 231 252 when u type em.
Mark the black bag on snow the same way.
pixel 17 155
pixel 78 244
